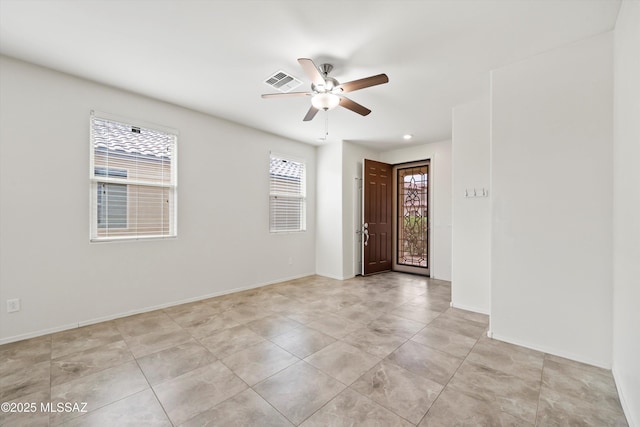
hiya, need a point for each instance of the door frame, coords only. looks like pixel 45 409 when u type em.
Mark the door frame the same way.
pixel 394 263
pixel 358 211
pixel 358 254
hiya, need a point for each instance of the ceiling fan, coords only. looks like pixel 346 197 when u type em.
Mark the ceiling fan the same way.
pixel 327 93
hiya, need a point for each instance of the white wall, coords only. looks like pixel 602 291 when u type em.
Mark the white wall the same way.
pixel 551 176
pixel 329 234
pixel 626 205
pixel 471 216
pixel 440 155
pixel 46 259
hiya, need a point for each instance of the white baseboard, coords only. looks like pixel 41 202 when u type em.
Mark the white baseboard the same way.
pixel 331 276
pixel 93 321
pixel 39 333
pixel 623 401
pixel 553 351
pixel 470 308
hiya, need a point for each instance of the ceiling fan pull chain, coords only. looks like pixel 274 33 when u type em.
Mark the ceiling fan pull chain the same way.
pixel 326 125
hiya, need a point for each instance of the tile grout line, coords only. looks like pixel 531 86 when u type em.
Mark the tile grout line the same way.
pixel 269 403
pixel 320 370
pixel 84 376
pixel 154 392
pixel 50 376
pixel 447 384
pixel 391 362
pixel 535 423
pixel 217 359
pixel 261 381
pixel 381 405
pixel 287 418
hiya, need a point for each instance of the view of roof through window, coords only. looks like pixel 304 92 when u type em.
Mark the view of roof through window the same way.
pixel 120 137
pixel 286 168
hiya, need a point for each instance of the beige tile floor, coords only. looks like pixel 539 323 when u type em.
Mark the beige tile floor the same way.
pixel 378 351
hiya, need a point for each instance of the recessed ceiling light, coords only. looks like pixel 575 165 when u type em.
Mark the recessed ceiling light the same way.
pixel 407 136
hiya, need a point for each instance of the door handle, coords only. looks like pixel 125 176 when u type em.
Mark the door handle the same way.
pixel 365 231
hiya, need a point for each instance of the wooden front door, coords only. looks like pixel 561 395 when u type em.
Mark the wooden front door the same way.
pixel 377 217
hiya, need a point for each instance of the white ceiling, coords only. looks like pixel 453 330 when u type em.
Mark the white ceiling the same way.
pixel 213 56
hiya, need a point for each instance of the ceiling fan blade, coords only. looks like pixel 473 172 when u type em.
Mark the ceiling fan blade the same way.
pixel 286 95
pixel 353 106
pixel 310 114
pixel 363 83
pixel 312 71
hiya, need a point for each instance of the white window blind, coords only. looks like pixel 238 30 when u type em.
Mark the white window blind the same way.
pixel 133 180
pixel 287 194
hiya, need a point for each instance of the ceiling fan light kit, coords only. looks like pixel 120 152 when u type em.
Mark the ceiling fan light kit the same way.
pixel 325 101
pixel 327 93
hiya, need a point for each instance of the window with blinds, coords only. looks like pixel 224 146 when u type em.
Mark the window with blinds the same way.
pixel 287 194
pixel 133 180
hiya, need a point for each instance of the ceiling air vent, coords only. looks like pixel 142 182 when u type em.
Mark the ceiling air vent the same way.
pixel 283 82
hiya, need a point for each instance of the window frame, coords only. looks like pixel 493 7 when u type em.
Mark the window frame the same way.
pixel 94 180
pixel 108 173
pixel 302 196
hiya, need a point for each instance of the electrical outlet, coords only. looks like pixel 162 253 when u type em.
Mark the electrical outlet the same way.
pixel 13 305
pixel 290 260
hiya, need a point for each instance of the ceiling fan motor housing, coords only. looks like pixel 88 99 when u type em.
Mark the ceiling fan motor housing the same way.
pixel 330 86
pixel 326 69
pixel 329 82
